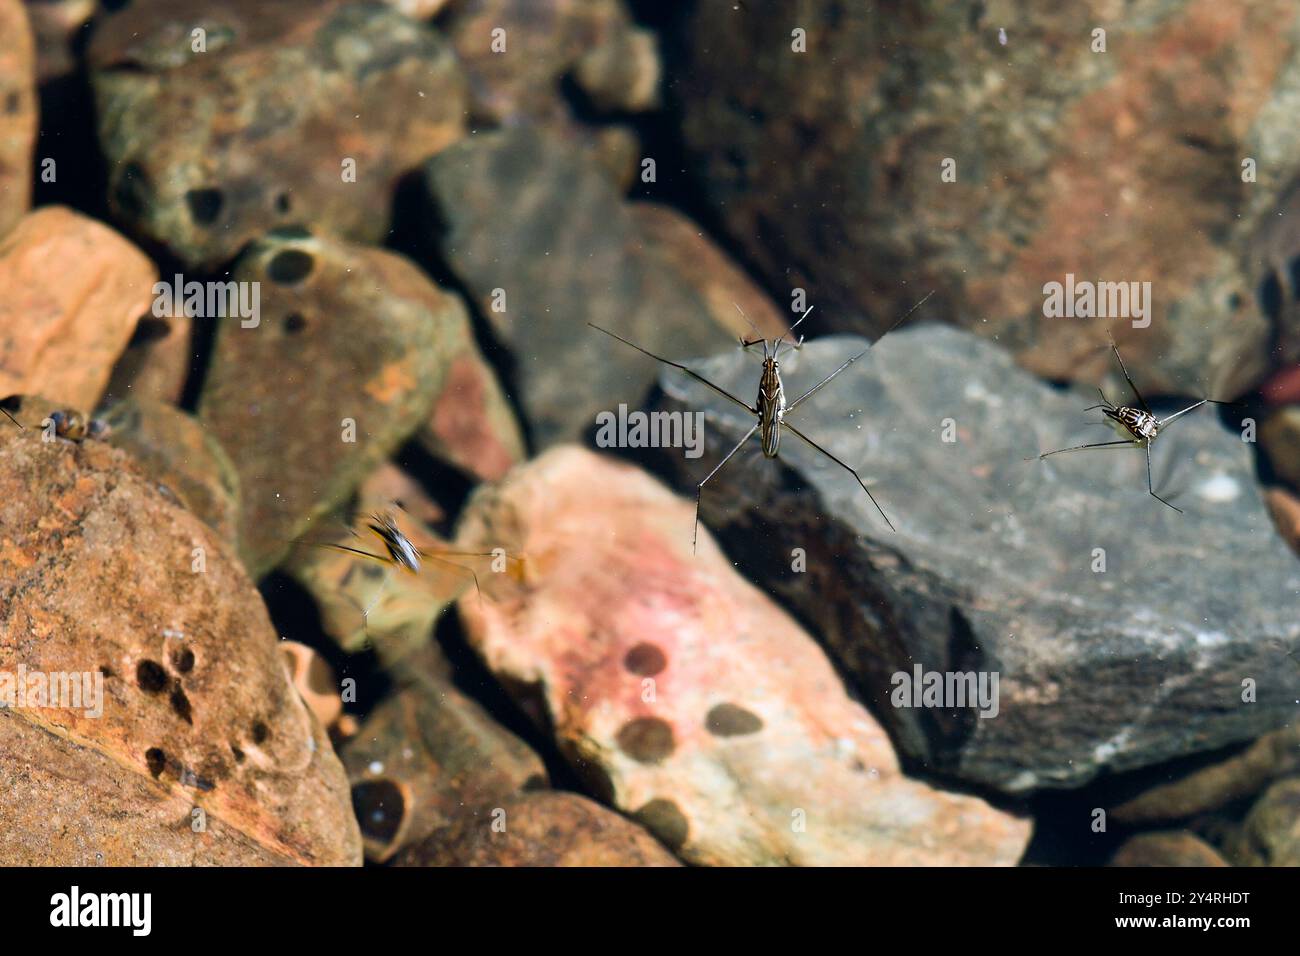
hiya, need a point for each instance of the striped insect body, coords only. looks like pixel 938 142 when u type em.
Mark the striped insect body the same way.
pixel 771 407
pixel 1141 424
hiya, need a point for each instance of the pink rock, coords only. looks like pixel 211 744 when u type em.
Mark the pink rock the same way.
pixel 684 695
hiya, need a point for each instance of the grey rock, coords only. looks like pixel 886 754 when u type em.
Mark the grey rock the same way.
pixel 991 568
pixel 544 244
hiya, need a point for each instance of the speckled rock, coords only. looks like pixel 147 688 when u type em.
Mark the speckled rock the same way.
pixel 18 113
pixel 201 752
pixel 570 252
pixel 1122 632
pixel 613 62
pixel 1175 848
pixel 208 151
pixel 1270 835
pixel 427 758
pixel 684 696
pixel 1125 165
pixel 349 345
pixel 179 453
pixel 71 292
pixel 541 829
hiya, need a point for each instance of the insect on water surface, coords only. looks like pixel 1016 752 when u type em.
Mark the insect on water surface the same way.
pixel 400 554
pixel 770 407
pixel 1138 422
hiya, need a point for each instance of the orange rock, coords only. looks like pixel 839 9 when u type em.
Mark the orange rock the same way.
pixel 314 680
pixel 201 752
pixel 684 696
pixel 71 291
pixel 18 112
pixel 1285 509
pixel 547 828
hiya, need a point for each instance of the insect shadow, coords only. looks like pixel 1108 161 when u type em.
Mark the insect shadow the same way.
pixel 1137 422
pixel 770 408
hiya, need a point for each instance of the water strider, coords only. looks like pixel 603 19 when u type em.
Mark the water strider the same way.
pixel 1138 422
pixel 770 406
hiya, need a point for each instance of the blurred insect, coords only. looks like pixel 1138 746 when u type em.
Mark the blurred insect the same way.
pixel 401 555
pixel 770 407
pixel 1137 422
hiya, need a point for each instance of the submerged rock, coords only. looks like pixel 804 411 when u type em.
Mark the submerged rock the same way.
pixel 684 696
pixel 18 113
pixel 1175 848
pixel 201 753
pixel 427 759
pixel 345 360
pixel 828 167
pixel 571 251
pixel 178 452
pixel 71 292
pixel 1270 835
pixel 1123 633
pixel 546 828
pixel 306 112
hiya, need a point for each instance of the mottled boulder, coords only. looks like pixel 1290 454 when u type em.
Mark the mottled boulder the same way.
pixel 570 252
pixel 541 829
pixel 684 696
pixel 426 759
pixel 209 150
pixel 71 292
pixel 515 75
pixel 18 113
pixel 1123 165
pixel 1270 835
pixel 201 753
pixel 178 453
pixel 1121 631
pixel 343 364
pixel 1175 848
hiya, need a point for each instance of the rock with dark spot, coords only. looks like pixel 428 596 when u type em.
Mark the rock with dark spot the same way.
pixel 427 759
pixel 209 150
pixel 174 449
pixel 1270 835
pixel 99 569
pixel 607 562
pixel 646 739
pixel 540 829
pixel 826 166
pixel 1121 631
pixel 645 659
pixel 314 680
pixel 728 720
pixel 571 251
pixel 1175 848
pixel 71 292
pixel 365 365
